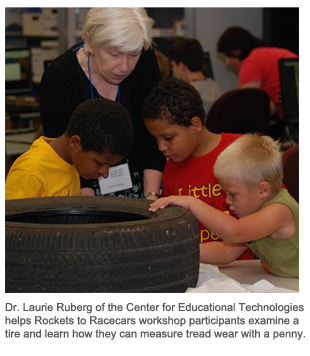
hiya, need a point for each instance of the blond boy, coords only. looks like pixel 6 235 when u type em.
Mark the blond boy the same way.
pixel 250 173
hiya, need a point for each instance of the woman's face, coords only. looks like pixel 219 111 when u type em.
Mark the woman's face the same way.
pixel 114 66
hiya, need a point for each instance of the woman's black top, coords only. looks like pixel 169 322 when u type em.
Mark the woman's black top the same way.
pixel 64 86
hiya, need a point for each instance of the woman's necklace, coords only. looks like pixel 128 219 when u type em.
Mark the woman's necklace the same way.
pixel 104 89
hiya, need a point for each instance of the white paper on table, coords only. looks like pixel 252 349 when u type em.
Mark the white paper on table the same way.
pixel 211 280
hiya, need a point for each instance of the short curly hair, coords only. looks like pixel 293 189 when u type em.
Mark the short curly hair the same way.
pixel 102 125
pixel 175 101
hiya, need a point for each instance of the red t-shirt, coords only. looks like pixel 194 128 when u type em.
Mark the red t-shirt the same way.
pixel 262 65
pixel 195 177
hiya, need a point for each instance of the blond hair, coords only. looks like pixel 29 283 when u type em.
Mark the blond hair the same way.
pixel 127 29
pixel 251 159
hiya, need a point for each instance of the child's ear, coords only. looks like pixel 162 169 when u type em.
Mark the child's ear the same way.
pixel 196 124
pixel 75 143
pixel 264 189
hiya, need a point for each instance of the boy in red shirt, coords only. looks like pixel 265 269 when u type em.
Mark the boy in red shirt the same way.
pixel 174 115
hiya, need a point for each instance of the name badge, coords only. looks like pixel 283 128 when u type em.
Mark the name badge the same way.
pixel 119 179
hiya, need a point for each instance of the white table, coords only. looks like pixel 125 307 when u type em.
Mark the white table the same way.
pixel 251 271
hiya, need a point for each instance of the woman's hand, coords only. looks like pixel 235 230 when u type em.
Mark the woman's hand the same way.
pixel 87 192
pixel 152 183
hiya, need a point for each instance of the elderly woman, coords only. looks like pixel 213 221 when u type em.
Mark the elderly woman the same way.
pixel 115 61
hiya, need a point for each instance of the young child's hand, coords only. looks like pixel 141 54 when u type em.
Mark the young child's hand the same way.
pixel 172 200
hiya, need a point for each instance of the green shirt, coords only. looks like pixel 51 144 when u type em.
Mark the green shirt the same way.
pixel 280 257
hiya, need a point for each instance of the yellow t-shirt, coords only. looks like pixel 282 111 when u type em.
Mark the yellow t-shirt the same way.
pixel 41 172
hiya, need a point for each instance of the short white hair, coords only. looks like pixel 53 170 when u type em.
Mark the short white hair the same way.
pixel 127 29
pixel 251 159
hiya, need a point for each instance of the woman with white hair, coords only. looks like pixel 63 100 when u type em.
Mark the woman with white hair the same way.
pixel 115 61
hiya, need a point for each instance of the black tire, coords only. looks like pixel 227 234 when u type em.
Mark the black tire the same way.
pixel 87 244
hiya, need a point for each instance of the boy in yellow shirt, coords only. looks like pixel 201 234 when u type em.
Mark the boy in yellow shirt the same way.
pixel 250 173
pixel 99 134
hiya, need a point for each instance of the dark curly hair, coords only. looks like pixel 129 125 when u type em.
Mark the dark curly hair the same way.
pixel 238 38
pixel 175 101
pixel 102 125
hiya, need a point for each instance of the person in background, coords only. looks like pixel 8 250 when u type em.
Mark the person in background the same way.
pixel 186 58
pixel 114 61
pixel 255 61
pixel 174 114
pixel 250 172
pixel 99 134
pixel 163 63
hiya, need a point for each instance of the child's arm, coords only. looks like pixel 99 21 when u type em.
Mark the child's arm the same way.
pixel 220 253
pixel 271 219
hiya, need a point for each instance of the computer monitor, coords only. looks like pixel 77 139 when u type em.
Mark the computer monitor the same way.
pixel 18 71
pixel 289 80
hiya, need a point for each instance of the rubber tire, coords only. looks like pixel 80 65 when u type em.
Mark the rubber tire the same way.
pixel 157 252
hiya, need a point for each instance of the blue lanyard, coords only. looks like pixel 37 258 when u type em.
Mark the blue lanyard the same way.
pixel 118 98
pixel 90 81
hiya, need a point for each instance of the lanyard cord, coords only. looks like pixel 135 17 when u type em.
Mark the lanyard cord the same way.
pixel 90 81
pixel 118 98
